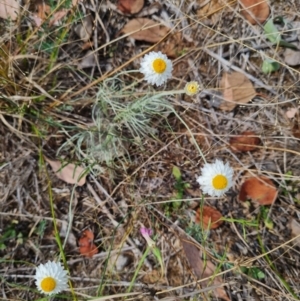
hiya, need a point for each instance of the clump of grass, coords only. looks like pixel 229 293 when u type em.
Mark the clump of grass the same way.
pixel 121 115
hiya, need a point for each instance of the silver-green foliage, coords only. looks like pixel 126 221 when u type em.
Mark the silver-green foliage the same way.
pixel 120 115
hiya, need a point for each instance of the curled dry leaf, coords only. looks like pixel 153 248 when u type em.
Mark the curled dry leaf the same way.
pixel 9 9
pixel 143 29
pixel 237 89
pixel 86 244
pixel 255 11
pixel 259 189
pixel 246 142
pixel 209 217
pixel 130 6
pixel 70 173
pixel 203 269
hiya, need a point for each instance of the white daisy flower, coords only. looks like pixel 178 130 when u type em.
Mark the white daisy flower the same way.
pixel 51 278
pixel 191 88
pixel 156 67
pixel 216 178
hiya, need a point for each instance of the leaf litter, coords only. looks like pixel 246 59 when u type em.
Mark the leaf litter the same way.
pixel 143 182
pixel 259 189
pixel 208 217
pixel 204 269
pixel 130 6
pixel 86 244
pixel 68 172
pixel 9 9
pixel 236 89
pixel 255 11
pixel 245 142
pixel 144 29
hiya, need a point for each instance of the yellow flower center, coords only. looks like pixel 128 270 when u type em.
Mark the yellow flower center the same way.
pixel 48 284
pixel 159 65
pixel 192 88
pixel 219 182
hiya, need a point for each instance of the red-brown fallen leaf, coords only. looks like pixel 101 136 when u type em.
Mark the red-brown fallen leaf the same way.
pixel 204 270
pixel 237 89
pixel 69 173
pixel 246 142
pixel 143 29
pixel 130 6
pixel 86 245
pixel 255 11
pixel 208 217
pixel 259 189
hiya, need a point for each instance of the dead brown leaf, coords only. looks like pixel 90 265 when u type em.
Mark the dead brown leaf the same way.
pixel 237 89
pixel 259 189
pixel 203 270
pixel 70 173
pixel 296 129
pixel 88 61
pixel 246 142
pixel 57 16
pixel 85 28
pixel 130 6
pixel 143 29
pixel 86 245
pixel 208 217
pixel 152 277
pixel 255 11
pixel 43 12
pixel 173 45
pixel 295 229
pixel 9 9
pixel 292 57
pixel 211 9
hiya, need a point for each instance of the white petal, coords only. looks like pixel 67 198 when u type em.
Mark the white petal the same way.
pixel 151 76
pixel 54 270
pixel 209 171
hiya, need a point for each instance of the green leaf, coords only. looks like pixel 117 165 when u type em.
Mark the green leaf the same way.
pixel 256 273
pixel 156 252
pixel 272 32
pixel 269 66
pixel 176 173
pixel 285 44
pixel 273 35
pixel 265 215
